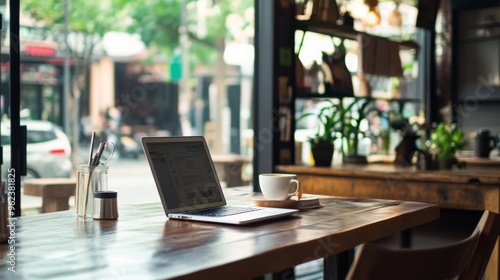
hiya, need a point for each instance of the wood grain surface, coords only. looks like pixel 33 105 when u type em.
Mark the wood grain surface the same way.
pixel 144 244
pixel 475 189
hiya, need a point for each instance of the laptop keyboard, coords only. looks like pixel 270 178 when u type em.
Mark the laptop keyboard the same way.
pixel 224 211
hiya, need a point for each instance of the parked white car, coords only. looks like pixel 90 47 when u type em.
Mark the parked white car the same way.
pixel 48 150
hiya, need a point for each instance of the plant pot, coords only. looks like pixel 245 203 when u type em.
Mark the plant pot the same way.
pixel 323 153
pixel 357 159
pixel 447 163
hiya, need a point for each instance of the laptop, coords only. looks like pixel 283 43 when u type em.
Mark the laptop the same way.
pixel 188 185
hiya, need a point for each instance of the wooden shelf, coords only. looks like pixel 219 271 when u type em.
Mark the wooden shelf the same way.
pixel 324 95
pixel 338 96
pixel 340 31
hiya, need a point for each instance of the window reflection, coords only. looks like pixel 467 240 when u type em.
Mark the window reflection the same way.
pixel 140 68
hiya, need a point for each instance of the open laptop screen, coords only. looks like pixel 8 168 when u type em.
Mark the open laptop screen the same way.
pixel 185 175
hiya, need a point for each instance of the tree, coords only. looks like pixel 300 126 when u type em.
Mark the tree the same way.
pixel 88 22
pixel 162 25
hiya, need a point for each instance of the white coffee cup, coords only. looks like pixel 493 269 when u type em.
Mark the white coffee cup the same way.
pixel 278 186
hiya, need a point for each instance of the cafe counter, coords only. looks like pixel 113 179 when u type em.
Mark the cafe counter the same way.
pixel 471 189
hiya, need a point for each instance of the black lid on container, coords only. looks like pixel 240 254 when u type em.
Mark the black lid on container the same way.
pixel 105 194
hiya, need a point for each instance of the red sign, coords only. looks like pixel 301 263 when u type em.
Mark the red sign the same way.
pixel 39 51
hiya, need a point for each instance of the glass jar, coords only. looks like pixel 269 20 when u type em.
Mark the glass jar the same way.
pixel 90 179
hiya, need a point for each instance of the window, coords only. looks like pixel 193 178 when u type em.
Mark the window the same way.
pixel 156 69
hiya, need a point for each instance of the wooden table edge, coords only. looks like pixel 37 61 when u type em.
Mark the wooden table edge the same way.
pixel 251 268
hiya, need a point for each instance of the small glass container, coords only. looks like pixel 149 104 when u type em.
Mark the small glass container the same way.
pixel 90 179
pixel 105 205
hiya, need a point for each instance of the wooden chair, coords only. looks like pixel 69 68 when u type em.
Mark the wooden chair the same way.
pixel 376 260
pixel 489 227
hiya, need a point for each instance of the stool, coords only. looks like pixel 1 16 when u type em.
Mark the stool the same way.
pixel 55 192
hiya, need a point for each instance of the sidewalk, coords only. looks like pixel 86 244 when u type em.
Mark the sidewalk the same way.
pixel 131 178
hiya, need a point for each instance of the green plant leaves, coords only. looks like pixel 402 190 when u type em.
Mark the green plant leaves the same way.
pixel 352 118
pixel 328 123
pixel 446 140
pixel 341 120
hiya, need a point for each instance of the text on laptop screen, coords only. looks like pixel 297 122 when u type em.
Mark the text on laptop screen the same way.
pixel 187 168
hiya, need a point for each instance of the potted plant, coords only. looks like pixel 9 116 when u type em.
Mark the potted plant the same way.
pixel 446 140
pixel 351 117
pixel 327 125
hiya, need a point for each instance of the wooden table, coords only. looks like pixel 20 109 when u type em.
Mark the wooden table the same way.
pixel 144 244
pixel 470 188
pixel 230 168
pixel 55 192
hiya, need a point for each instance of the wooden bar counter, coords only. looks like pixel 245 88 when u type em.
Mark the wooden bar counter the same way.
pixel 470 188
pixel 474 189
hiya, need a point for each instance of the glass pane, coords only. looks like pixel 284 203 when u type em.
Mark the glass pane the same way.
pixel 127 69
pixel 4 89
